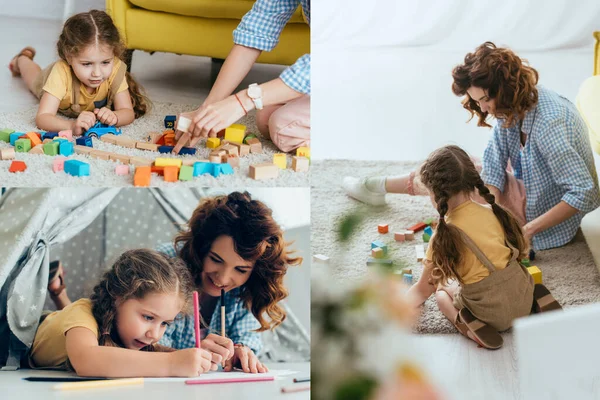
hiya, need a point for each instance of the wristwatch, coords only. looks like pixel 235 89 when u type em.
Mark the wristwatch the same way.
pixel 255 93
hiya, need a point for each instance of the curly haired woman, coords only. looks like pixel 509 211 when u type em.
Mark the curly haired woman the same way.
pixel 538 163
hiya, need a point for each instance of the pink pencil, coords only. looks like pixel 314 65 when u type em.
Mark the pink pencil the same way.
pixel 197 319
pixel 252 378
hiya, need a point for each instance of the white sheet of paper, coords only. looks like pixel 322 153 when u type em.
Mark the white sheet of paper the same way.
pixel 226 375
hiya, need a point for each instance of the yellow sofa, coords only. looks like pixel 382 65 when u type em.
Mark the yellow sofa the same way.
pixel 198 27
pixel 588 99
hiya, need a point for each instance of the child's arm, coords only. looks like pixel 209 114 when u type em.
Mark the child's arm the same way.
pixel 421 290
pixel 47 119
pixel 90 359
pixel 123 114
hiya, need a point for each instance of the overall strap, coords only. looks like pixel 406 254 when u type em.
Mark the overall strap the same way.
pixel 116 84
pixel 76 86
pixel 477 251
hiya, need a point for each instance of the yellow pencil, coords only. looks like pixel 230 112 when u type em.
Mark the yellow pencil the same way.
pixel 98 384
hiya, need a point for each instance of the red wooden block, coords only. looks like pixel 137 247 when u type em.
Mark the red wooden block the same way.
pixel 383 228
pixel 17 166
pixel 157 170
pixel 417 227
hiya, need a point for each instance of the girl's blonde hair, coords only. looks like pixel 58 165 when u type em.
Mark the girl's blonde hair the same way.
pixel 135 274
pixel 88 28
pixel 446 172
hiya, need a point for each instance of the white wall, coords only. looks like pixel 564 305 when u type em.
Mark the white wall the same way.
pixel 47 9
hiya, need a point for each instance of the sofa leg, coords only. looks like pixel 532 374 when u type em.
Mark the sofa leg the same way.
pixel 127 58
pixel 215 67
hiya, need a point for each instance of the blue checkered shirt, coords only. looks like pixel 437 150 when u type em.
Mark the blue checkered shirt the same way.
pixel 239 321
pixel 555 164
pixel 260 29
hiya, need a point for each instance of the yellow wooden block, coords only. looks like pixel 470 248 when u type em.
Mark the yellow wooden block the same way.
pixel 213 142
pixel 165 162
pixel 303 152
pixel 536 273
pixel 235 133
pixel 377 252
pixel 280 160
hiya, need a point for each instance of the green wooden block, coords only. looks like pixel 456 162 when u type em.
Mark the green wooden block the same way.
pixel 426 238
pixel 186 173
pixel 22 145
pixel 5 135
pixel 51 148
pixel 249 136
pixel 525 262
pixel 428 221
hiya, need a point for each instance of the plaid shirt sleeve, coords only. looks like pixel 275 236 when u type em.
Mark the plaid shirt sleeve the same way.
pixel 495 159
pixel 567 167
pixel 297 76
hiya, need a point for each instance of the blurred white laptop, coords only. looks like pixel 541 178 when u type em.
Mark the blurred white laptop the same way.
pixel 558 354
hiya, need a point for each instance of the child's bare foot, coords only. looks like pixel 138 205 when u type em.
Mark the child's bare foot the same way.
pixel 13 66
pixel 56 285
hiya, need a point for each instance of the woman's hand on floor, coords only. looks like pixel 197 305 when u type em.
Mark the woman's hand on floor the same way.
pixel 245 359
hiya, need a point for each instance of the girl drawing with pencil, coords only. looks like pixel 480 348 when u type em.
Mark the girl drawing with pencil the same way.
pixel 477 247
pixel 115 332
pixel 233 245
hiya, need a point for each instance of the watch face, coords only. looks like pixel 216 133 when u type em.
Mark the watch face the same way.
pixel 254 92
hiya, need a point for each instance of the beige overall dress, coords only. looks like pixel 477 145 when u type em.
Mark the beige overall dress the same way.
pixel 75 109
pixel 502 296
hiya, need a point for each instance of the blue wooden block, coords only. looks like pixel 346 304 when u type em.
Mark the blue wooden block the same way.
pixel 226 169
pixel 77 168
pixel 407 278
pixel 84 141
pixel 380 244
pixel 188 150
pixel 49 135
pixel 13 137
pixel 170 121
pixel 216 171
pixel 65 148
pixel 165 149
pixel 428 231
pixel 201 168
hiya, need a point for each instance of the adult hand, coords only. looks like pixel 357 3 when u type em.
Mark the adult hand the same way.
pixel 106 116
pixel 527 232
pixel 190 362
pixel 244 358
pixel 221 347
pixel 84 121
pixel 209 119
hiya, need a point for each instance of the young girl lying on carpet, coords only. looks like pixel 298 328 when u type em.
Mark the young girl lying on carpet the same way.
pixel 478 247
pixel 115 332
pixel 89 82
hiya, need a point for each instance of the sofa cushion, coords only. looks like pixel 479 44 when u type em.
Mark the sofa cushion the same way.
pixel 228 9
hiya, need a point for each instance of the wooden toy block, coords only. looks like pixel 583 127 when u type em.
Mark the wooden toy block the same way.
pixel 154 137
pixel 101 155
pixel 160 170
pixel 426 238
pixel 218 152
pixel 428 221
pixel 39 149
pixel 184 139
pixel 170 121
pixel 5 135
pixel 142 176
pixel 409 235
pixel 379 243
pixel 255 146
pixel 170 140
pixel 233 160
pixel 320 259
pixel 235 133
pixel 303 152
pixel 13 137
pixel 264 171
pixel 417 227
pixel 531 255
pixel 420 249
pixel 407 278
pixel 243 149
pixel 186 173
pixel 83 141
pixel 109 138
pixel 165 149
pixel 213 143
pixel 377 252
pixel 17 166
pixel 536 273
pixel 77 168
pixel 380 261
pixel 183 124
pixel 67 134
pixel 224 169
pixel 46 141
pixel 190 151
pixel 49 135
pixel 35 139
pixel 58 164
pixel 249 136
pixel 525 262
pixel 119 157
pixel 230 149
pixel 82 149
pixel 164 162
pixel 125 142
pixel 428 231
pixel 221 134
pixel 300 164
pixel 171 173
pixel 383 228
pixel 280 160
pixel 146 146
pixel 7 154
pixel 407 271
pixel 214 158
pixel 22 145
pixel 140 161
pixel 203 167
pixel 65 148
pixel 122 169
pixel 399 236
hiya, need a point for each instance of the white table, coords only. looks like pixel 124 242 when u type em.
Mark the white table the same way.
pixel 12 386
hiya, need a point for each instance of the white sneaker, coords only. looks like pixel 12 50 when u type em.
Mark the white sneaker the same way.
pixel 357 189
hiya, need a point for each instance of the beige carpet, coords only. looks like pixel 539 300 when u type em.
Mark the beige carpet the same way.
pixel 39 167
pixel 569 272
